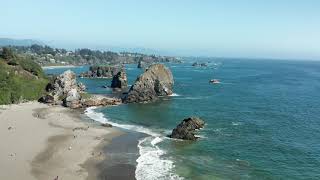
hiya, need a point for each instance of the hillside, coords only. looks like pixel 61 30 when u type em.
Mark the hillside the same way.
pixel 18 42
pixel 48 56
pixel 21 79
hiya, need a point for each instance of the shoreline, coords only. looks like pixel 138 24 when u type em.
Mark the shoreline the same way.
pixel 60 66
pixel 45 142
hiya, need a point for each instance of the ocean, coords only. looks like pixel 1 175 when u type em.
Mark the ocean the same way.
pixel 262 120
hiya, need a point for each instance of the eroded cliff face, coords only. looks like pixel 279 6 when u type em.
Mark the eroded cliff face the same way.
pixel 156 81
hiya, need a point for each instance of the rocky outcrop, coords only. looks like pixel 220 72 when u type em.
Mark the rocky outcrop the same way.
pixel 106 125
pixel 120 80
pixel 156 81
pixel 141 64
pixel 64 88
pixel 101 72
pixel 100 101
pixel 200 64
pixel 186 129
pixel 72 99
pixel 47 99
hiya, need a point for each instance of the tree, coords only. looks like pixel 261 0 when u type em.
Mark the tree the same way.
pixel 7 54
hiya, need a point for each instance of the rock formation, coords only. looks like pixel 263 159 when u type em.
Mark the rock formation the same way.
pixel 48 99
pixel 101 72
pixel 100 101
pixel 65 85
pixel 186 129
pixel 120 80
pixel 141 64
pixel 65 90
pixel 200 64
pixel 156 81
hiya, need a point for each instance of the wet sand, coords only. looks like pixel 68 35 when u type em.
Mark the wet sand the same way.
pixel 120 158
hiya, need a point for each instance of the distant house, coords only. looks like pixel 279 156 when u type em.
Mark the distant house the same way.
pixel 52 60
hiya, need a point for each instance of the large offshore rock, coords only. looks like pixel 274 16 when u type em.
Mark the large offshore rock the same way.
pixel 120 80
pixel 156 81
pixel 185 130
pixel 101 72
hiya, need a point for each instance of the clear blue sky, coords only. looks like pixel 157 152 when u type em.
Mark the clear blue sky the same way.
pixel 233 28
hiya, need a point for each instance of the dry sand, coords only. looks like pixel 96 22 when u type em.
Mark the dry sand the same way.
pixel 42 142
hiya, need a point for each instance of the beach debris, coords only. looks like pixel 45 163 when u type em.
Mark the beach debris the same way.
pixel 10 127
pixel 56 178
pixel 69 148
pixel 186 129
pixel 97 138
pixel 80 128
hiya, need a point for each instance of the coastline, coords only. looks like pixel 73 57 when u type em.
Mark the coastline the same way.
pixel 43 142
pixel 56 67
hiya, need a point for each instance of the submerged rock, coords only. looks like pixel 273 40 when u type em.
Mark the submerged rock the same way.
pixel 156 81
pixel 120 80
pixel 185 130
pixel 106 125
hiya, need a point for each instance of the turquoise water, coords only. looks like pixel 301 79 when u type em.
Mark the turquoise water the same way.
pixel 262 121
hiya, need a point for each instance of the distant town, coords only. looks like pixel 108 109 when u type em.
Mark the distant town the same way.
pixel 47 56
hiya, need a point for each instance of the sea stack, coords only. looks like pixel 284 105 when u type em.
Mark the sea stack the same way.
pixel 186 129
pixel 120 80
pixel 105 71
pixel 141 64
pixel 156 81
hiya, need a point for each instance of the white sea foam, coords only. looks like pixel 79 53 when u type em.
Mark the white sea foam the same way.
pixel 150 164
pixel 98 116
pixel 236 123
pixel 174 94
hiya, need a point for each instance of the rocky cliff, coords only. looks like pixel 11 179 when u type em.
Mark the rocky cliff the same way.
pixel 156 81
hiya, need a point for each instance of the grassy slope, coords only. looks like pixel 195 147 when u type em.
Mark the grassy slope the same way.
pixel 23 82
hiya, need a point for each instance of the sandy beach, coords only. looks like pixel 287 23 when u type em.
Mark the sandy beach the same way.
pixel 44 142
pixel 55 67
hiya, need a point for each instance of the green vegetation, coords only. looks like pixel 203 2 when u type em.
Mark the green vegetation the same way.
pixel 21 79
pixel 48 56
